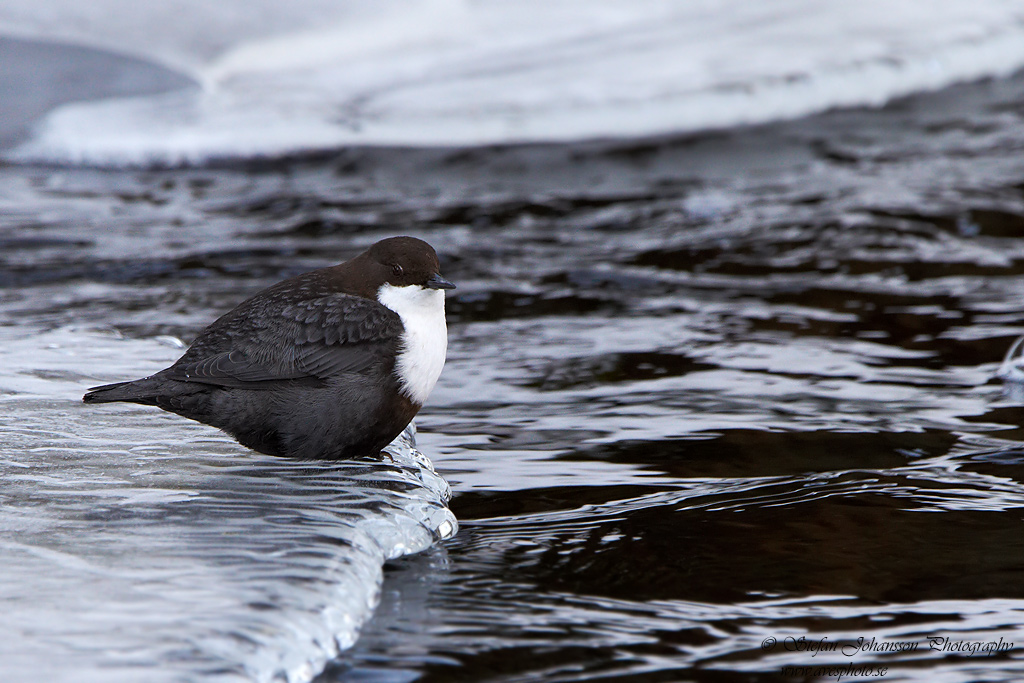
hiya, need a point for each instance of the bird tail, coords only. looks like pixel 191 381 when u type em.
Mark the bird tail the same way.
pixel 137 391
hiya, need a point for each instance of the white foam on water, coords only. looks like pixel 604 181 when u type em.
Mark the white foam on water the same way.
pixel 136 545
pixel 470 72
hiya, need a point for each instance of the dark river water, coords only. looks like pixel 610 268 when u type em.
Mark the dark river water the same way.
pixel 717 408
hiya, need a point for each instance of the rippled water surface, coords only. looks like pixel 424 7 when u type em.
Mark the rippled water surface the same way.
pixel 701 393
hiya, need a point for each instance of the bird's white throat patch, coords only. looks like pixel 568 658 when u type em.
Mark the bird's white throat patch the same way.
pixel 425 340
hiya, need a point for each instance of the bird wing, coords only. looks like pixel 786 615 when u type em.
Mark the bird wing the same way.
pixel 274 340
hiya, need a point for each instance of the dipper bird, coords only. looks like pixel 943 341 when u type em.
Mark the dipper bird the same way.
pixel 331 364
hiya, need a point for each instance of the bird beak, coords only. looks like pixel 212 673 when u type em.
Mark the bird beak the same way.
pixel 438 282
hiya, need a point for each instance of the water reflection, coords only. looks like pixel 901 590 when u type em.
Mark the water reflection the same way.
pixel 669 583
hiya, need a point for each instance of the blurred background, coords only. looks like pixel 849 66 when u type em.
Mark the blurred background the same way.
pixel 734 283
pixel 193 80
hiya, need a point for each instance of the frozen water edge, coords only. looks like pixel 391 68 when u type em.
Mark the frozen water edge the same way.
pixel 448 72
pixel 137 543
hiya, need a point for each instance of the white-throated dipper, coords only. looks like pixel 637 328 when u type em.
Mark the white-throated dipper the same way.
pixel 331 364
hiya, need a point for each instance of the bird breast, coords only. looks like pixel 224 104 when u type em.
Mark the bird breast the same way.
pixel 424 338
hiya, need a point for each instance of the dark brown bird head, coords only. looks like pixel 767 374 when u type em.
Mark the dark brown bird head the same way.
pixel 404 261
pixel 396 261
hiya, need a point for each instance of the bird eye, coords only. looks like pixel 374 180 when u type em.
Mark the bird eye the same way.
pixel 397 270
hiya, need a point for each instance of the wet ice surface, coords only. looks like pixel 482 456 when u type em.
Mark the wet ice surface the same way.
pixel 700 391
pixel 136 547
